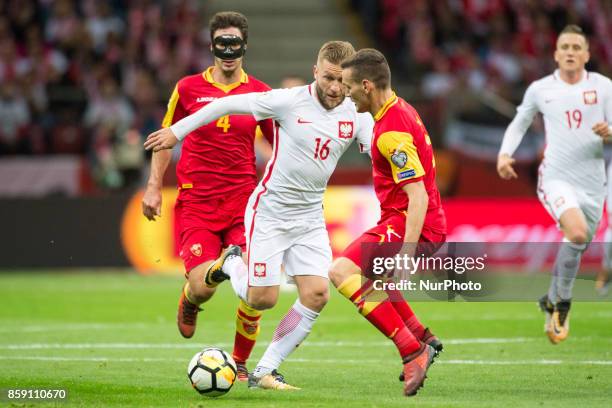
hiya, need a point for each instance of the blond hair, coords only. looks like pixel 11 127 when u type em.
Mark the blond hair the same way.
pixel 335 52
pixel 574 29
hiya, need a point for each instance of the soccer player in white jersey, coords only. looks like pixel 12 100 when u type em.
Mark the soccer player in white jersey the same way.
pixel 284 221
pixel 577 110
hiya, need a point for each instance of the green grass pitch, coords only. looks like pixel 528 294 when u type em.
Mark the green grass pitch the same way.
pixel 110 339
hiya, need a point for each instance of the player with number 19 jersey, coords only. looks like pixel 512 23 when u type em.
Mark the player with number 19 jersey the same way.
pixel 216 171
pixel 572 173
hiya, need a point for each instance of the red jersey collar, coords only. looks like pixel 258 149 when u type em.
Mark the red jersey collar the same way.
pixel 387 105
pixel 244 78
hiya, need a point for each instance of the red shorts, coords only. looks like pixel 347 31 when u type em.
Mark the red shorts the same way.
pixel 390 230
pixel 205 227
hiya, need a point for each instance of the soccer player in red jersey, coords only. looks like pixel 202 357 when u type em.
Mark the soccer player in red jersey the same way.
pixel 216 175
pixel 411 211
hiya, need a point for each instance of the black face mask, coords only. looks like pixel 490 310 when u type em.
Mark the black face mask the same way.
pixel 222 47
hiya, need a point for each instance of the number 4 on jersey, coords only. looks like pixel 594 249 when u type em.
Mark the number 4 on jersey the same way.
pixel 224 123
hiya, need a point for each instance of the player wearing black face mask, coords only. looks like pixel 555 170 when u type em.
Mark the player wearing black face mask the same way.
pixel 229 47
pixel 229 35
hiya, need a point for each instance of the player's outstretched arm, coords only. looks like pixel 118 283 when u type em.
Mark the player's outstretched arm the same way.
pixel 162 139
pixel 233 104
pixel 167 138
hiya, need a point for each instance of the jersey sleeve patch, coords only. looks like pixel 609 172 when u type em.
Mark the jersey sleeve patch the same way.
pixel 399 149
pixel 169 117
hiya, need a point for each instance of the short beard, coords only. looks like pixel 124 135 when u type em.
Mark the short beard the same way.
pixel 322 100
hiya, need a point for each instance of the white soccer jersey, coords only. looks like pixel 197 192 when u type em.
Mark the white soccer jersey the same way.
pixel 309 141
pixel 574 153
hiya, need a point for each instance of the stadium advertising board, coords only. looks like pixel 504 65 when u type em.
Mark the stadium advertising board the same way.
pixel 151 246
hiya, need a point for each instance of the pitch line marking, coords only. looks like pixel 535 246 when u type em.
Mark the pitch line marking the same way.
pixel 305 360
pixel 78 346
pixel 75 327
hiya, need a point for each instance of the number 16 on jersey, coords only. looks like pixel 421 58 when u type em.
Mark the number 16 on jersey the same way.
pixel 321 150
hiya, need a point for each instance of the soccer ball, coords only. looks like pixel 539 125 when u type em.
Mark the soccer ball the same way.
pixel 212 372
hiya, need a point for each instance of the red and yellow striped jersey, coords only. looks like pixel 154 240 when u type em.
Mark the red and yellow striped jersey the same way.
pixel 402 154
pixel 217 158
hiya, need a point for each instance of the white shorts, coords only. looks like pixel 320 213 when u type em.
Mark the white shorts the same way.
pixel 557 196
pixel 302 246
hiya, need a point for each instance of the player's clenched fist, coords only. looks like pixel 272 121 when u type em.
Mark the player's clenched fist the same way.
pixel 602 129
pixel 504 167
pixel 160 140
pixel 151 203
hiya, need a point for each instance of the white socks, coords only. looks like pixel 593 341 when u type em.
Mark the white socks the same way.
pixel 291 331
pixel 235 267
pixel 565 269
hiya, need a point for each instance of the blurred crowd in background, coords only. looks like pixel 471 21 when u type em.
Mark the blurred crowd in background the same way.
pixel 500 45
pixel 92 78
